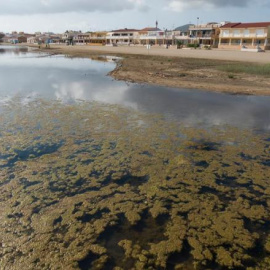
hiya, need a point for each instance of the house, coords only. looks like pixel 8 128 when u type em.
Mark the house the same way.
pixel 182 34
pixel 44 38
pixel 68 36
pixel 205 34
pixel 81 39
pixel 56 39
pixel 93 38
pixel 6 38
pixel 22 39
pixel 151 36
pixel 16 38
pixel 32 40
pixel 247 35
pixel 122 37
pixel 98 38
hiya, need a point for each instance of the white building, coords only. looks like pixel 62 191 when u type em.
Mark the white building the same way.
pixel 122 37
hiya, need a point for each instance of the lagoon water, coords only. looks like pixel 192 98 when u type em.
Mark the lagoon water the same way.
pixel 34 75
pixel 103 174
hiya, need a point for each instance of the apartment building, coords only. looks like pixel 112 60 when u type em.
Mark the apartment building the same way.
pixel 122 37
pixel 182 34
pixel 81 38
pixel 205 34
pixel 151 36
pixel 98 38
pixel 245 35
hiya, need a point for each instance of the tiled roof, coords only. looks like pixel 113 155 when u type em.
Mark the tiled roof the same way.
pixel 246 25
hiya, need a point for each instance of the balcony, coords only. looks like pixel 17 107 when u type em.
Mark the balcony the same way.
pixel 243 35
pixel 98 38
pixel 119 37
pixel 204 27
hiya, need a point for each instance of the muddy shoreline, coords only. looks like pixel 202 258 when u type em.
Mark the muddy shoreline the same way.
pixel 176 72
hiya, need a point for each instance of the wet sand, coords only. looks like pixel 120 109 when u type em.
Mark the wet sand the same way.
pixel 183 68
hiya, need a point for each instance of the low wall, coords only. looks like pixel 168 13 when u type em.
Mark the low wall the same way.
pixel 95 44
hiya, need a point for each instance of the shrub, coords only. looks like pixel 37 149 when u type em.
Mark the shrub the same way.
pixel 193 45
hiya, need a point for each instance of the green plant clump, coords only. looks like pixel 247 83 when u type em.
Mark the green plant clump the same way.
pixel 253 69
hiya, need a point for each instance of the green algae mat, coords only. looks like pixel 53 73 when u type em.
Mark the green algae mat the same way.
pixel 96 186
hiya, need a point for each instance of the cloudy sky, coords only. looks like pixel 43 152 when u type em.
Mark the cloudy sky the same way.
pixel 93 15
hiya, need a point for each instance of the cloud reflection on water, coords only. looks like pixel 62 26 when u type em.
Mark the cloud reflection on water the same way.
pixel 69 80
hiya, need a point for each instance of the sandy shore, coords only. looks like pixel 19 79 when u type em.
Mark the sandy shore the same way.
pixel 214 54
pixel 183 68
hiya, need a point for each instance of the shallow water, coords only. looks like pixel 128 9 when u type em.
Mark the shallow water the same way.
pixel 100 174
pixel 58 77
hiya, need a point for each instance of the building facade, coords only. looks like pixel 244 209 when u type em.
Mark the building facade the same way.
pixel 81 39
pixel 151 36
pixel 182 34
pixel 122 37
pixel 245 35
pixel 98 38
pixel 205 34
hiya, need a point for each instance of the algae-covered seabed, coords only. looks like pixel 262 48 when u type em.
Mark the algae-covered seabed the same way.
pixel 96 186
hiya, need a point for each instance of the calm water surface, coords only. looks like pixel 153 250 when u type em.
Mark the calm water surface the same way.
pixel 101 174
pixel 58 77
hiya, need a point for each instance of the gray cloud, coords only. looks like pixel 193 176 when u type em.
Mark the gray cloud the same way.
pixel 19 7
pixel 180 5
pixel 223 3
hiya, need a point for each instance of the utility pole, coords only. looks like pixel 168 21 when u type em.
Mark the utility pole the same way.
pixel 197 29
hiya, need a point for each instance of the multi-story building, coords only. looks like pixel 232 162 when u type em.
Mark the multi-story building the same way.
pixel 151 36
pixel 182 34
pixel 205 34
pixel 245 35
pixel 81 38
pixel 98 38
pixel 68 37
pixel 122 37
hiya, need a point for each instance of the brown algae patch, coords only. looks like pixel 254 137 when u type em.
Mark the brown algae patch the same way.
pixel 96 186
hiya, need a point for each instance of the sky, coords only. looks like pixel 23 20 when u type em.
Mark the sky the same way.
pixel 96 15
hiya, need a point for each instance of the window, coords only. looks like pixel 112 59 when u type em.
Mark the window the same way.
pixel 246 33
pixel 236 33
pixel 259 32
pixel 225 33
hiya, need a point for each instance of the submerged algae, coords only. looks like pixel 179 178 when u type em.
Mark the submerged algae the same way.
pixel 104 187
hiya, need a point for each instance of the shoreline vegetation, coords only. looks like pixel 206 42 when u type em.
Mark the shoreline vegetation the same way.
pixel 230 72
